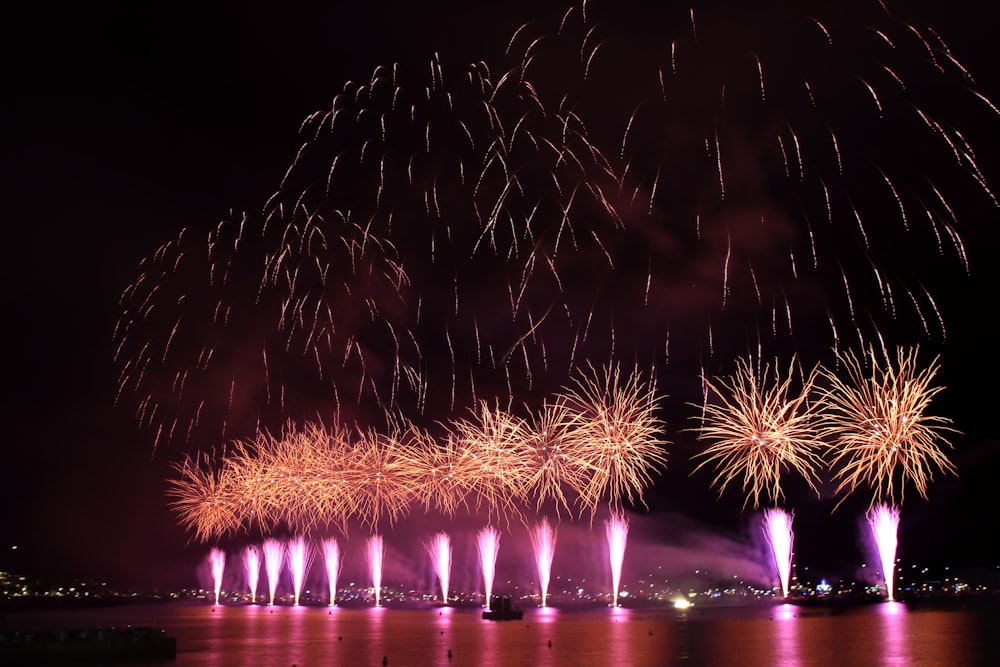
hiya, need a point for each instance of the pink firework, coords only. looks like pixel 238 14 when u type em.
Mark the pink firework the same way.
pixel 217 560
pixel 299 557
pixel 778 531
pixel 884 521
pixel 376 552
pixel 251 559
pixel 617 530
pixel 543 541
pixel 331 557
pixel 488 543
pixel 439 549
pixel 274 556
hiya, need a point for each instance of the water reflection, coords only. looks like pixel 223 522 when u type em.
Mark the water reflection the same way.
pixel 787 624
pixel 876 634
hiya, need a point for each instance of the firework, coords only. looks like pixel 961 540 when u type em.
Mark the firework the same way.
pixel 205 498
pixel 617 532
pixel 375 550
pixel 251 560
pixel 761 429
pixel 627 181
pixel 439 550
pixel 331 558
pixel 488 545
pixel 299 556
pixel 883 520
pixel 274 557
pixel 217 561
pixel 616 434
pixel 493 437
pixel 543 541
pixel 878 423
pixel 749 200
pixel 778 531
pixel 443 470
pixel 559 473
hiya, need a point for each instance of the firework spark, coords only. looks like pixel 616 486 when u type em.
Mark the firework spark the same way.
pixel 439 550
pixel 488 545
pixel 251 560
pixel 617 533
pixel 299 556
pixel 217 561
pixel 375 550
pixel 884 522
pixel 331 558
pixel 442 236
pixel 543 541
pixel 617 434
pixel 274 557
pixel 878 423
pixel 778 531
pixel 760 429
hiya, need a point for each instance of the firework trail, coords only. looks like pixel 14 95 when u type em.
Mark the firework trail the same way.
pixel 617 532
pixel 375 549
pixel 331 558
pixel 274 556
pixel 217 561
pixel 759 428
pixel 543 542
pixel 778 531
pixel 762 159
pixel 629 180
pixel 878 423
pixel 251 559
pixel 488 545
pixel 439 550
pixel 884 522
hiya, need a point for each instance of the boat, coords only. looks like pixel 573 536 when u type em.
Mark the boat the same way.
pixel 501 610
pixel 94 645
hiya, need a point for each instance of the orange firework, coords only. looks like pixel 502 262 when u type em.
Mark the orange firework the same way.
pixel 444 471
pixel 206 500
pixel 878 424
pixel 556 465
pixel 760 429
pixel 615 433
pixel 494 439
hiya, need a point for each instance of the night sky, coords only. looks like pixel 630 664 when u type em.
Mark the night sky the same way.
pixel 124 125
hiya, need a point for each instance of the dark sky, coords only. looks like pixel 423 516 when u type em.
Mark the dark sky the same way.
pixel 124 124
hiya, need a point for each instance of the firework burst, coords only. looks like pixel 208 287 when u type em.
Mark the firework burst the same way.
pixel 616 433
pixel 759 429
pixel 882 434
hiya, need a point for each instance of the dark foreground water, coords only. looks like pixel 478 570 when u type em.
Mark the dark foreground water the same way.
pixel 785 635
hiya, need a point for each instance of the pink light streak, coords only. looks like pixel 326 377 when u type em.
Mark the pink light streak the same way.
pixel 884 522
pixel 543 541
pixel 439 549
pixel 331 557
pixel 251 559
pixel 274 556
pixel 778 530
pixel 376 553
pixel 488 544
pixel 617 531
pixel 299 557
pixel 217 560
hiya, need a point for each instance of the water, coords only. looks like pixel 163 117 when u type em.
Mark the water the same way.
pixel 785 635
